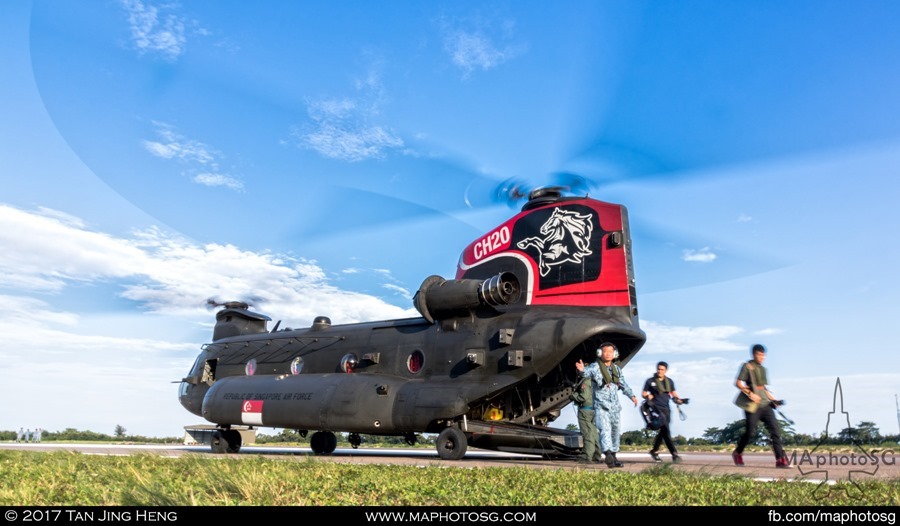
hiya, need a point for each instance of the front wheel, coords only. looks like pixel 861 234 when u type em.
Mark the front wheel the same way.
pixel 225 441
pixel 451 444
pixel 218 444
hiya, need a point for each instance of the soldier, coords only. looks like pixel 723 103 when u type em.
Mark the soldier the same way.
pixel 20 434
pixel 757 402
pixel 658 390
pixel 607 381
pixel 583 397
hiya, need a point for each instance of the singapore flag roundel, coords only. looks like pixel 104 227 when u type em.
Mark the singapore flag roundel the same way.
pixel 251 412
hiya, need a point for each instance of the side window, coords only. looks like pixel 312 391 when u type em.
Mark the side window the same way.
pixel 209 371
pixel 415 361
pixel 297 365
pixel 349 363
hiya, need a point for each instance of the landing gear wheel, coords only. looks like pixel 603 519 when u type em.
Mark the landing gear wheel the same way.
pixel 225 441
pixel 410 439
pixel 323 442
pixel 355 440
pixel 218 444
pixel 451 444
pixel 233 440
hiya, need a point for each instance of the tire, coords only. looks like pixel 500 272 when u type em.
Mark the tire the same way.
pixel 323 442
pixel 233 439
pixel 330 442
pixel 451 444
pixel 218 444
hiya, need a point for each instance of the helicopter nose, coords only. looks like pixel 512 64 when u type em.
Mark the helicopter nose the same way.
pixel 187 399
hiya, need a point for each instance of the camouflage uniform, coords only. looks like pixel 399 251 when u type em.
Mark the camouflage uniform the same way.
pixel 584 399
pixel 607 408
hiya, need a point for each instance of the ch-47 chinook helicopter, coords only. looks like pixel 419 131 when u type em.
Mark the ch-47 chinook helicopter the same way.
pixel 490 362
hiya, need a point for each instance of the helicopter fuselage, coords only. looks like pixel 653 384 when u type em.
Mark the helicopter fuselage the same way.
pixel 495 346
pixel 409 375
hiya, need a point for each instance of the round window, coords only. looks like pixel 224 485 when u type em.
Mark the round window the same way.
pixel 250 368
pixel 297 365
pixel 349 363
pixel 415 361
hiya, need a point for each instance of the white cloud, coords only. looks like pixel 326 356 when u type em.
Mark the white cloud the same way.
pixel 342 129
pixel 200 159
pixel 768 331
pixel 471 51
pixel 398 289
pixel 171 275
pixel 669 339
pixel 210 179
pixel 744 218
pixel 348 128
pixel 476 44
pixel 176 146
pixel 153 31
pixel 43 253
pixel 704 255
pixel 27 321
pixel 29 313
pixel 350 142
pixel 62 217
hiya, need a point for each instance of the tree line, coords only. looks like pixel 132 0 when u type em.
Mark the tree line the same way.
pixel 70 434
pixel 865 433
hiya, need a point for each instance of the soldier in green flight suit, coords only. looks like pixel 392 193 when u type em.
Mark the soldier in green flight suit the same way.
pixel 758 404
pixel 583 396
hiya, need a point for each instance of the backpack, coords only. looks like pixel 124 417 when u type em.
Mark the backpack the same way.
pixel 652 418
pixel 577 395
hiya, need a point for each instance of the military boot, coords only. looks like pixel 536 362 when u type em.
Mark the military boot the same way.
pixel 611 461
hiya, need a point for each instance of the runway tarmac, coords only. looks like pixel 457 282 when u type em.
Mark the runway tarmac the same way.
pixel 810 465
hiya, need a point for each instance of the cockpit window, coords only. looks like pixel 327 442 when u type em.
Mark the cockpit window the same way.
pixel 250 368
pixel 198 366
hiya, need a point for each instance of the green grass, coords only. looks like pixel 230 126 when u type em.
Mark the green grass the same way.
pixel 63 478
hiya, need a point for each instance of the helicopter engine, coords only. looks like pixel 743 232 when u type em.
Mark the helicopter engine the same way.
pixel 438 298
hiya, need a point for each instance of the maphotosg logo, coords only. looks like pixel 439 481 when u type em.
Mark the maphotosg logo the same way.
pixel 818 461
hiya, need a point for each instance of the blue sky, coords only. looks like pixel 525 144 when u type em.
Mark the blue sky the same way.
pixel 325 158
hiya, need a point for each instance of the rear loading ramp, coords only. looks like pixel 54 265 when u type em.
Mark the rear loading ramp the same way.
pixel 548 442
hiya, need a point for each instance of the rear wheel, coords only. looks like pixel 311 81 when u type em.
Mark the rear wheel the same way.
pixel 323 442
pixel 451 444
pixel 233 439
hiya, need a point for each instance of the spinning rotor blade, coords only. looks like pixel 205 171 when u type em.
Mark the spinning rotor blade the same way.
pixel 513 192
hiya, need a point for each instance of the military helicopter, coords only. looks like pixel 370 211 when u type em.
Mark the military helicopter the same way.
pixel 488 364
